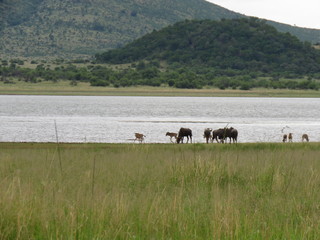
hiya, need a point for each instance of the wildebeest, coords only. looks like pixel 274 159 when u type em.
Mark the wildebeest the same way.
pixel 305 137
pixel 290 137
pixel 207 134
pixel 171 134
pixel 184 132
pixel 218 134
pixel 139 136
pixel 284 138
pixel 223 133
pixel 232 133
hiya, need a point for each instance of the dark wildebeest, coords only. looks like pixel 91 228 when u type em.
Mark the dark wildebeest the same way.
pixel 219 133
pixel 184 132
pixel 290 137
pixel 284 138
pixel 223 133
pixel 207 134
pixel 139 136
pixel 232 133
pixel 171 134
pixel 305 137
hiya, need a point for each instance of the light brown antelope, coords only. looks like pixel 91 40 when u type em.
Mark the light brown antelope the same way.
pixel 290 137
pixel 305 137
pixel 139 136
pixel 172 135
pixel 284 138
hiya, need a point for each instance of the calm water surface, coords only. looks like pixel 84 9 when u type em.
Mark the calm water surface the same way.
pixel 116 119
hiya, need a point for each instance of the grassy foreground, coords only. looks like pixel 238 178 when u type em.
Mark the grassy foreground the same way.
pixel 84 89
pixel 159 191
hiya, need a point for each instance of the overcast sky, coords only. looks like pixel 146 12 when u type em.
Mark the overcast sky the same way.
pixel 301 13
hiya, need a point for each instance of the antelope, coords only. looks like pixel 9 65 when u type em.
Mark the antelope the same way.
pixel 290 137
pixel 207 134
pixel 285 137
pixel 171 134
pixel 305 137
pixel 139 136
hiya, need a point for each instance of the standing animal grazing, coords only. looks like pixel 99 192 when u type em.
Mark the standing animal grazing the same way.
pixel 139 136
pixel 207 134
pixel 232 133
pixel 184 132
pixel 218 134
pixel 223 133
pixel 290 137
pixel 284 138
pixel 171 134
pixel 305 137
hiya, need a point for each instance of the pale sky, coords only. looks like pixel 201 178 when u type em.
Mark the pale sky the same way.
pixel 301 13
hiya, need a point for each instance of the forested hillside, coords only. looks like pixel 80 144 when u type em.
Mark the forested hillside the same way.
pixel 81 28
pixel 243 45
pixel 238 54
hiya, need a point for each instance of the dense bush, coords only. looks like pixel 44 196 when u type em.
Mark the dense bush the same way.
pixel 229 47
pixel 149 75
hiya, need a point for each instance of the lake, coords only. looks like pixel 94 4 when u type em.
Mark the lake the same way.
pixel 109 119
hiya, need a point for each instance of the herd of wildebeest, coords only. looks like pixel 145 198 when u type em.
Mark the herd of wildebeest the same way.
pixel 221 135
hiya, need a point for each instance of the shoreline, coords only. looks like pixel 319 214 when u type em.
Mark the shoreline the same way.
pixel 84 89
pixel 94 144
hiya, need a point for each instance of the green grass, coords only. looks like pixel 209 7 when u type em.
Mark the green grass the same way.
pixel 64 88
pixel 160 191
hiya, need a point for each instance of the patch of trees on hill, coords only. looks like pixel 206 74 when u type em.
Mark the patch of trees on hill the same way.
pixel 241 45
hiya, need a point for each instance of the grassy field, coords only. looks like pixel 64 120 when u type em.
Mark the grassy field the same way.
pixel 64 88
pixel 159 191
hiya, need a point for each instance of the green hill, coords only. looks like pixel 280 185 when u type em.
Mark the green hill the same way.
pixel 77 28
pixel 236 53
pixel 244 45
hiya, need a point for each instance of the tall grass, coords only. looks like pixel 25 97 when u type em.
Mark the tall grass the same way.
pixel 160 191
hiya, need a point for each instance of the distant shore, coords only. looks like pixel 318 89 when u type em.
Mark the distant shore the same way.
pixel 84 89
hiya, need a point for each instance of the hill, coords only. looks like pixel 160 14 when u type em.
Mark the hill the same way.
pixel 244 45
pixel 236 53
pixel 81 28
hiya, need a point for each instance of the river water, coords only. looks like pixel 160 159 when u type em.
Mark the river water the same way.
pixel 115 119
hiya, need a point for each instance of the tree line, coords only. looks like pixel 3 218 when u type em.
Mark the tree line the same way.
pixel 151 74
